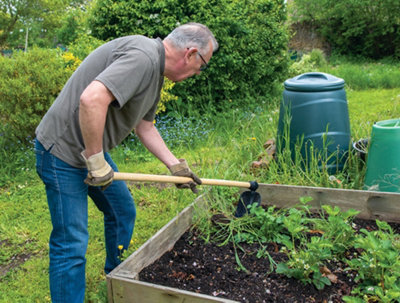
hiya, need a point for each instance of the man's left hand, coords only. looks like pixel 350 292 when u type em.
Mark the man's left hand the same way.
pixel 182 170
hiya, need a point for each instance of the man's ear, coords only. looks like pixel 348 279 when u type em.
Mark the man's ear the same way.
pixel 190 53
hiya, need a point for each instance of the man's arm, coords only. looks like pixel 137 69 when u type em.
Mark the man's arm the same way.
pixel 93 108
pixel 152 140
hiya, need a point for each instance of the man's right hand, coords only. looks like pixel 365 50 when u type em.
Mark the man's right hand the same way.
pixel 100 172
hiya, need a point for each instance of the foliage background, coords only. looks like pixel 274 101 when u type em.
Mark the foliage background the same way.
pixel 29 83
pixel 252 36
pixel 42 23
pixel 368 28
pixel 219 146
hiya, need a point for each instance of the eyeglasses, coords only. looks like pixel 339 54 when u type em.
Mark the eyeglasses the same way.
pixel 205 65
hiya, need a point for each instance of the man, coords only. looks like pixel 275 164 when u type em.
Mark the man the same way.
pixel 115 90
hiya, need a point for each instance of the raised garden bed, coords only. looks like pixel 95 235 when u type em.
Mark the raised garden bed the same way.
pixel 124 284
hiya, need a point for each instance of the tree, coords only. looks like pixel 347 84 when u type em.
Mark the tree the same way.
pixel 364 27
pixel 38 18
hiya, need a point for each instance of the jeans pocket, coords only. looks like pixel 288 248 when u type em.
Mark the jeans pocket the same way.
pixel 39 152
pixel 39 162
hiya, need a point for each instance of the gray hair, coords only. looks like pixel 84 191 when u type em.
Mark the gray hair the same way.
pixel 192 35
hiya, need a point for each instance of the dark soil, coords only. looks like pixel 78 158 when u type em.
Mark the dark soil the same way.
pixel 15 261
pixel 210 269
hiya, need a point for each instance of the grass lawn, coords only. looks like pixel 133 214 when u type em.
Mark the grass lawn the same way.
pixel 225 154
pixel 369 106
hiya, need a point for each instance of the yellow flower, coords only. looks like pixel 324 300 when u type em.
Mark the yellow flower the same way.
pixel 71 62
pixel 120 247
pixel 166 95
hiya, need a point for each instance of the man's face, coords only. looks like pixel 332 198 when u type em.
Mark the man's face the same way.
pixel 192 63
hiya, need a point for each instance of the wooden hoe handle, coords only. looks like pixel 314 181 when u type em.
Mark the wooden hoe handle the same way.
pixel 176 180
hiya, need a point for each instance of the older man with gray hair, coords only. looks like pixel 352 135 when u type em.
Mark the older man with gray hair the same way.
pixel 115 90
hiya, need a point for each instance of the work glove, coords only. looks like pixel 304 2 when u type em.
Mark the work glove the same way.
pixel 182 170
pixel 100 172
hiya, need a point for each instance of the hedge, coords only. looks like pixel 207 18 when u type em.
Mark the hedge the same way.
pixel 252 35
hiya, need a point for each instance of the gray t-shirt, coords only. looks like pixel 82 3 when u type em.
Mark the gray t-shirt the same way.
pixel 132 69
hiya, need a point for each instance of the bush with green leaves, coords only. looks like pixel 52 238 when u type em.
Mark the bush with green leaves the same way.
pixel 309 62
pixel 83 45
pixel 365 27
pixel 253 42
pixel 29 83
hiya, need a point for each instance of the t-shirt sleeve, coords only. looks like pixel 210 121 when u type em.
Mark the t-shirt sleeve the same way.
pixel 151 114
pixel 127 76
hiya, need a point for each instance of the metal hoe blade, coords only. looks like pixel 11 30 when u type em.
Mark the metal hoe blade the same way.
pixel 248 198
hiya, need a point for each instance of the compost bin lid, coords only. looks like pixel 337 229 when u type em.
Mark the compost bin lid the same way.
pixel 314 82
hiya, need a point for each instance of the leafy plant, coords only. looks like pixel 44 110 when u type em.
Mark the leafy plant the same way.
pixel 309 62
pixel 166 96
pixel 296 222
pixel 40 18
pixel 378 264
pixel 71 62
pixel 366 27
pixel 83 45
pixel 29 83
pixel 336 226
pixel 269 224
pixel 309 255
pixel 304 263
pixel 252 37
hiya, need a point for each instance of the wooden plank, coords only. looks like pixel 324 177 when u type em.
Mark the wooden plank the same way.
pixel 372 205
pixel 133 291
pixel 157 245
pixel 109 289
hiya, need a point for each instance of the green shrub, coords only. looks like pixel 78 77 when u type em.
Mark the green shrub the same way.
pixel 29 83
pixel 252 37
pixel 366 27
pixel 308 63
pixel 83 45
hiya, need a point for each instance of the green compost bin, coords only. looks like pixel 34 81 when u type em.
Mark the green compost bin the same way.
pixel 383 162
pixel 314 115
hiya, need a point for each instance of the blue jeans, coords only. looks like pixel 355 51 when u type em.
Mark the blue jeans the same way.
pixel 67 197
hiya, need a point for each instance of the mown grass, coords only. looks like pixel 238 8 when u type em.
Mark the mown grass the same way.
pixel 220 147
